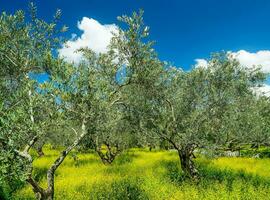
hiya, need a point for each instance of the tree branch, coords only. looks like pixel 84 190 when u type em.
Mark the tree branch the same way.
pixel 35 185
pixel 31 143
pixel 62 156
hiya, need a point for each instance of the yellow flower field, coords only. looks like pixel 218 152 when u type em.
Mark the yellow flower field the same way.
pixel 140 174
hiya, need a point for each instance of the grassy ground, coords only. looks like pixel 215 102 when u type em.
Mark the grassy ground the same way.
pixel 140 174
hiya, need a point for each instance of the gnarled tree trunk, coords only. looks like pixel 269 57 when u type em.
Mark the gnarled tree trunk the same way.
pixel 48 193
pixel 110 154
pixel 40 151
pixel 186 160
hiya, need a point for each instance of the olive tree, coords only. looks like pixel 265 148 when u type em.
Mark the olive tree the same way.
pixel 189 110
pixel 142 80
pixel 26 109
pixel 199 107
pixel 178 115
pixel 232 104
pixel 161 99
pixel 252 127
pixel 95 92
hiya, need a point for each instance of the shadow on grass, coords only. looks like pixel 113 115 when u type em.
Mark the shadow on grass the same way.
pixel 121 164
pixel 8 187
pixel 123 189
pixel 80 162
pixel 125 158
pixel 40 173
pixel 209 175
pixel 173 171
pixel 228 176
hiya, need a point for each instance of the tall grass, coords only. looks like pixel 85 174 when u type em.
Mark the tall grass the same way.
pixel 139 174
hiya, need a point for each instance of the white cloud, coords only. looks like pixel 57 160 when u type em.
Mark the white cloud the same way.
pixel 95 36
pixel 201 63
pixel 260 58
pixel 249 60
pixel 263 90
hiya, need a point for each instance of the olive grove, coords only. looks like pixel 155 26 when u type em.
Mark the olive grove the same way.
pixel 109 102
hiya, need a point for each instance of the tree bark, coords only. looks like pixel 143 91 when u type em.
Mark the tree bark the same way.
pixel 110 154
pixel 40 193
pixel 187 164
pixel 40 151
pixel 60 159
pixel 48 193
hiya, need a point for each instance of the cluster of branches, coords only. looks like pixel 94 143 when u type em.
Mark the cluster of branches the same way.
pixel 123 98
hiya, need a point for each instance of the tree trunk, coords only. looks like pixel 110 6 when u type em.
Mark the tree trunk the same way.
pixel 45 195
pixel 106 158
pixel 187 164
pixel 40 193
pixel 40 151
pixel 48 193
pixel 110 154
pixel 60 159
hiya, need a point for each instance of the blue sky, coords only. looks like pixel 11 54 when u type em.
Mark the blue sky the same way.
pixel 184 30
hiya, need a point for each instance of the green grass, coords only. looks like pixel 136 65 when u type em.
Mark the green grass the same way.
pixel 139 174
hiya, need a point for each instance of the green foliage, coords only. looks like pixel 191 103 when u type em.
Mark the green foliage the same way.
pixel 26 110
